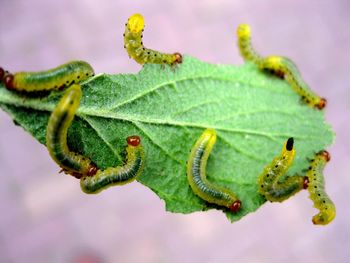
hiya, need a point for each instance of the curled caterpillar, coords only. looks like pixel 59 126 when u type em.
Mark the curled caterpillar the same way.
pixel 317 191
pixel 270 184
pixel 64 75
pixel 134 46
pixel 280 66
pixel 196 174
pixel 56 135
pixel 117 175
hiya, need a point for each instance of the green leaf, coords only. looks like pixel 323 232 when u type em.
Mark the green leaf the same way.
pixel 253 114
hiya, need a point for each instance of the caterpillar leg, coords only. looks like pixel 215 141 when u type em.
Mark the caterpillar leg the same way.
pixel 317 190
pixel 64 75
pixel 196 174
pixel 56 135
pixel 270 184
pixel 117 175
pixel 135 48
pixel 280 66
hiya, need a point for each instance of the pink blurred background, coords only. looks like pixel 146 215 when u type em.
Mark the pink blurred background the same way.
pixel 44 215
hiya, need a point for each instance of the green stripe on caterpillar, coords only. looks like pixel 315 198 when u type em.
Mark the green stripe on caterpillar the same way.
pixel 56 135
pixel 269 182
pixel 64 75
pixel 317 191
pixel 136 50
pixel 117 175
pixel 196 174
pixel 280 66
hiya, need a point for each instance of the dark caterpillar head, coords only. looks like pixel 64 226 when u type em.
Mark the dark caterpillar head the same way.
pixel 236 206
pixel 133 140
pixel 321 104
pixel 289 144
pixel 306 182
pixel 326 155
pixel 178 58
pixel 92 170
pixel 8 80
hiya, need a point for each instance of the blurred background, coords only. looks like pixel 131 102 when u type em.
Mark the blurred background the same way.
pixel 44 215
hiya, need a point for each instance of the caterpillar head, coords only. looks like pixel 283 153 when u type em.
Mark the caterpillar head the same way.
pixel 306 182
pixel 322 103
pixel 325 155
pixel 136 23
pixel 236 206
pixel 289 144
pixel 178 58
pixel 8 80
pixel 92 170
pixel 133 140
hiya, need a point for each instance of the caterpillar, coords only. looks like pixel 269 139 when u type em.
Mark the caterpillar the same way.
pixel 136 50
pixel 64 75
pixel 317 191
pixel 280 66
pixel 284 67
pixel 117 175
pixel 269 181
pixel 56 135
pixel 196 174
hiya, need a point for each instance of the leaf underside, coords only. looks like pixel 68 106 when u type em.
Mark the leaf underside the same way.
pixel 169 107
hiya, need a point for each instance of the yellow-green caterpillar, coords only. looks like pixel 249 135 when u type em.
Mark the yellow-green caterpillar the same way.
pixel 56 135
pixel 117 175
pixel 197 178
pixel 269 182
pixel 280 66
pixel 317 190
pixel 135 48
pixel 64 75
